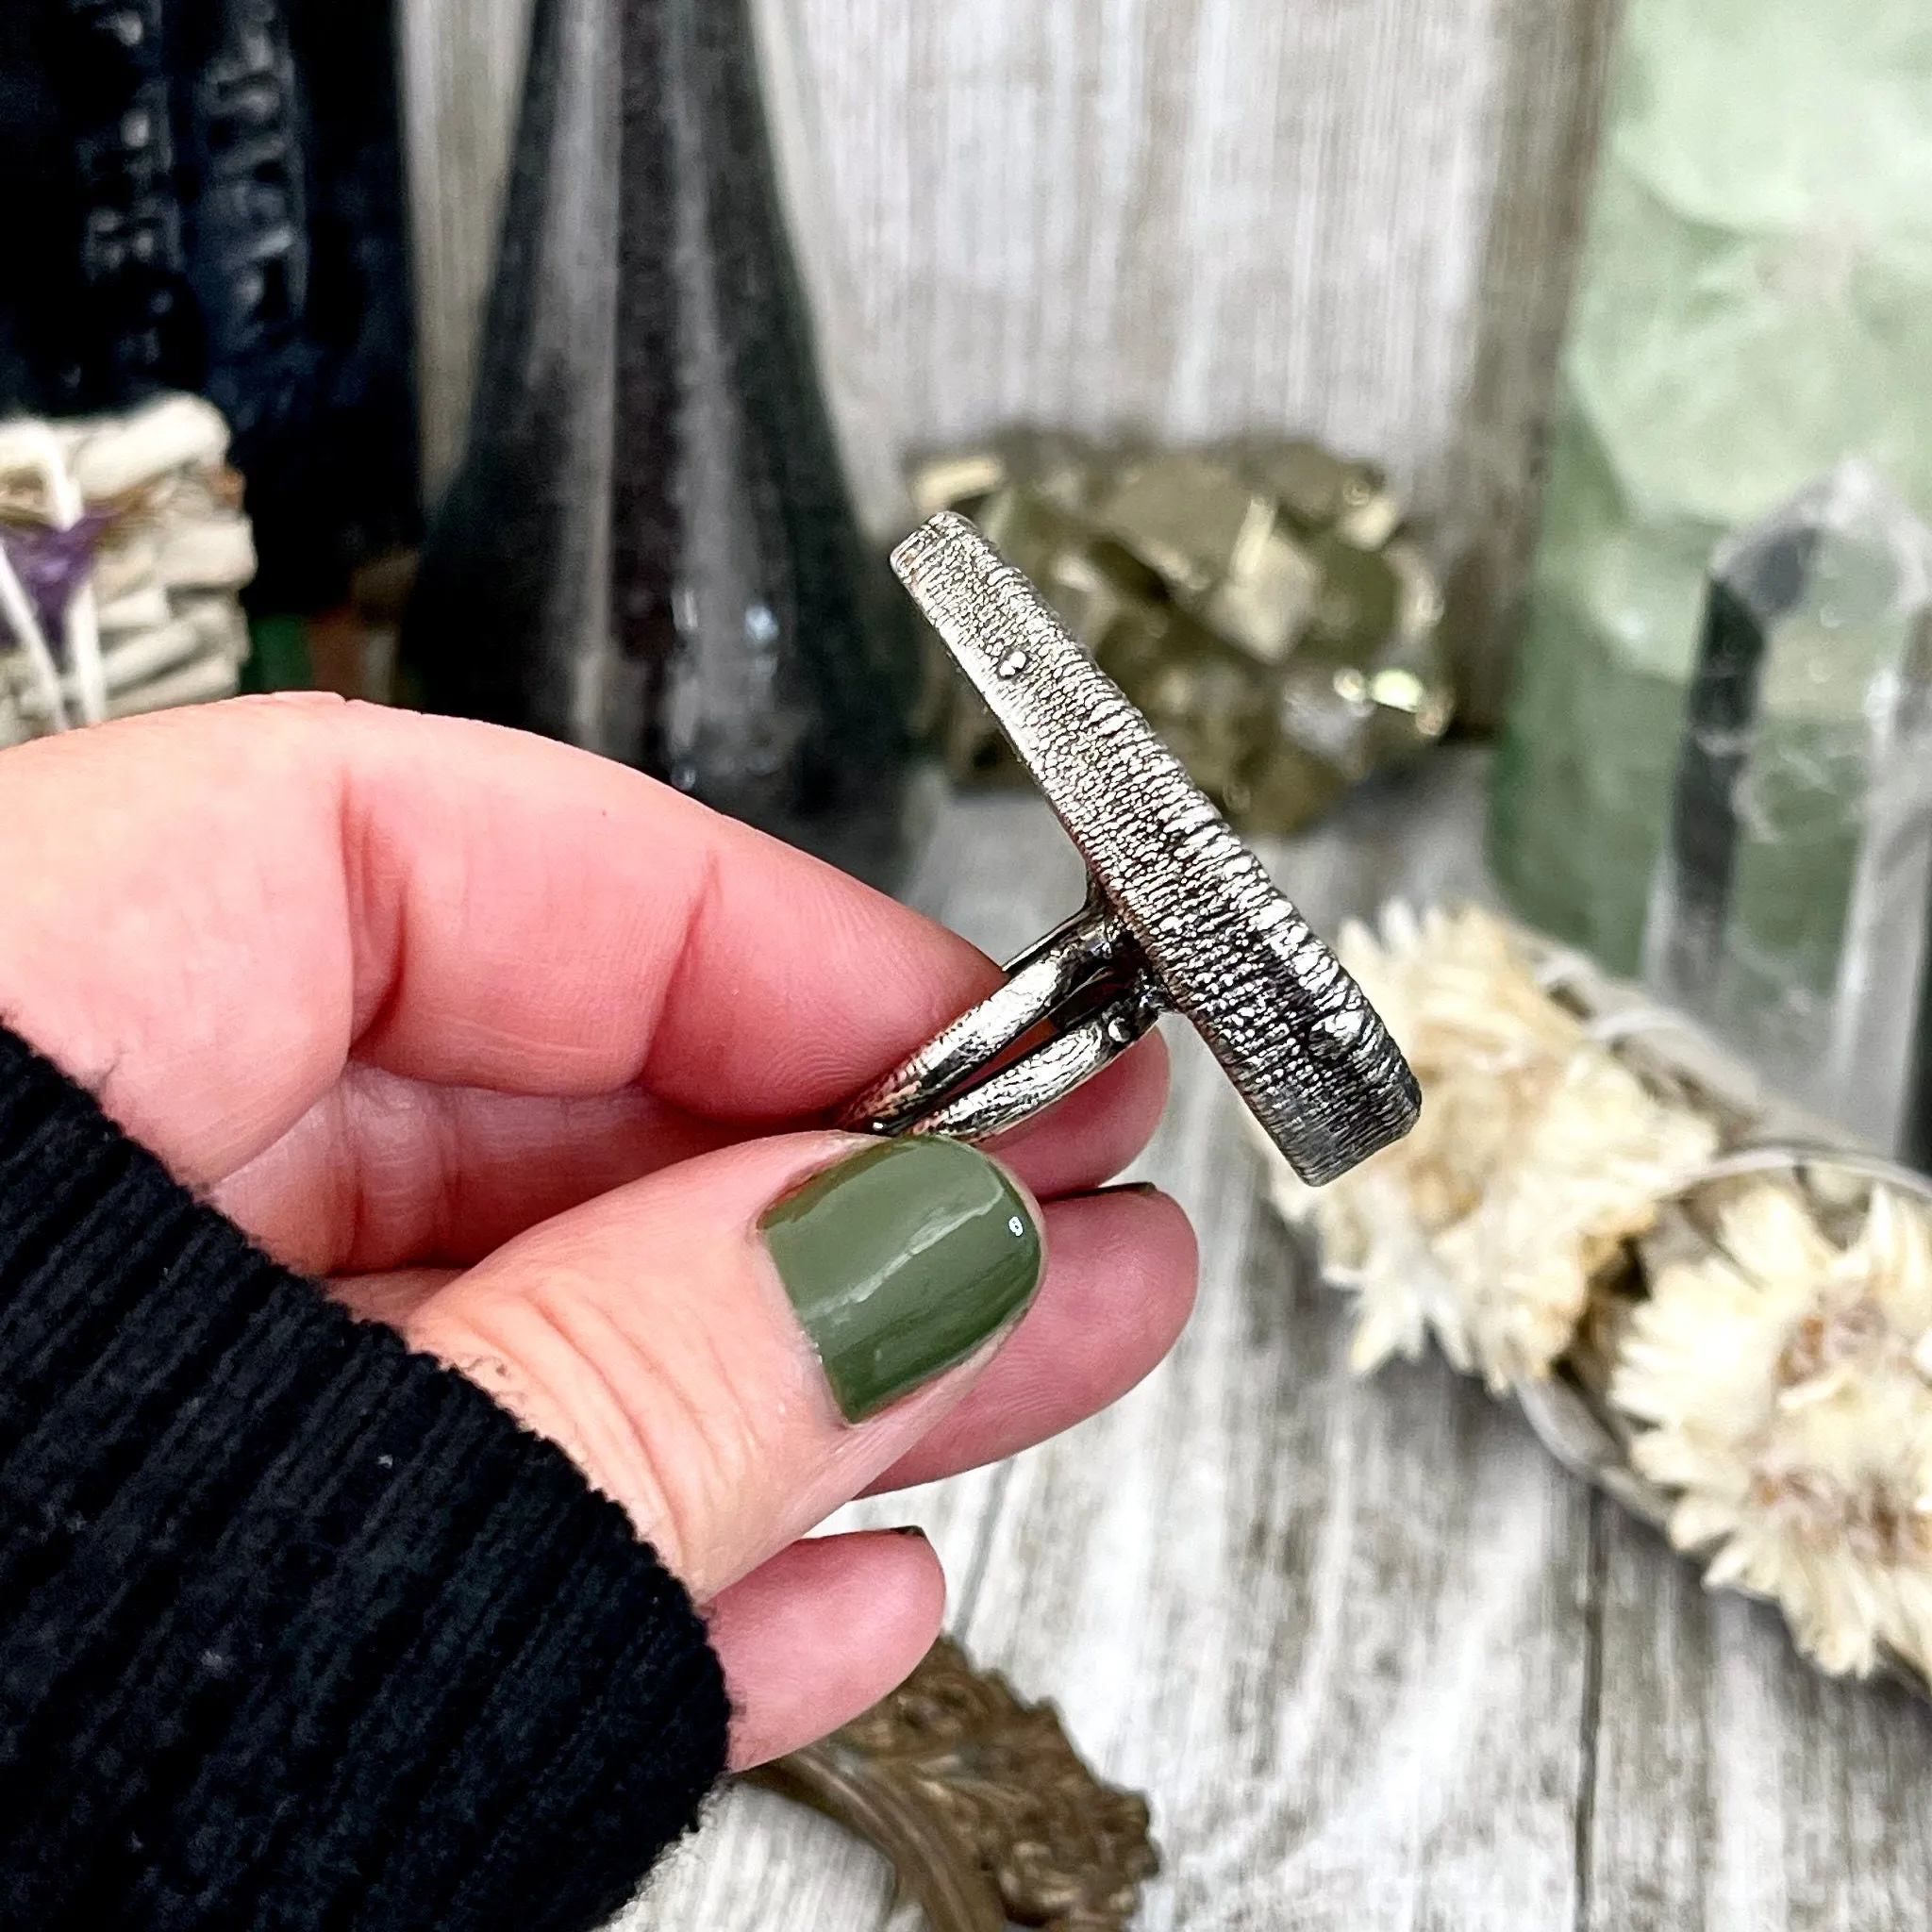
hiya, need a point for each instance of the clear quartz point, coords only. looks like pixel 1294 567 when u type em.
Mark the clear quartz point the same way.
pixel 1788 909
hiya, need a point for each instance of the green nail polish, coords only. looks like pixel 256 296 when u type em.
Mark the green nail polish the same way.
pixel 901 1261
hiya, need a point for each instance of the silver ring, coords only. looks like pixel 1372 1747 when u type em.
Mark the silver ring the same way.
pixel 1180 915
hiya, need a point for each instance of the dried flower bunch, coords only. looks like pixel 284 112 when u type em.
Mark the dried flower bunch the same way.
pixel 1786 1386
pixel 1537 1153
pixel 1754 1350
pixel 123 546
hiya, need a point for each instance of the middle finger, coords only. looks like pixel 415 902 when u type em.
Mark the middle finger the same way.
pixel 385 1172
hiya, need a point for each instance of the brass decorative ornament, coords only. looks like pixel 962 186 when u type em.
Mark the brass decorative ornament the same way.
pixel 984 1807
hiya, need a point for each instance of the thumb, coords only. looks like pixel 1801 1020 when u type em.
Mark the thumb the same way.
pixel 734 1347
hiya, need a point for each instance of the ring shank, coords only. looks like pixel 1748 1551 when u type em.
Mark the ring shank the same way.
pixel 1087 981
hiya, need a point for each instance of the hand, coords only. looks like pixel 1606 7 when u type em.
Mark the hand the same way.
pixel 514 1048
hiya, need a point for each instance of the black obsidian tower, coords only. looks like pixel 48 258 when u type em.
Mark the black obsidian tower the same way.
pixel 650 548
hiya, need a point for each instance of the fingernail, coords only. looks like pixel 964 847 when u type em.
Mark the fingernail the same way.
pixel 901 1261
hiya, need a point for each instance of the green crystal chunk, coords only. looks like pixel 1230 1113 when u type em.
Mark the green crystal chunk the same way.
pixel 1755 306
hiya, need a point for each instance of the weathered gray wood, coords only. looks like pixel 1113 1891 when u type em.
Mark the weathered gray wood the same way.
pixel 1329 1626
pixel 1325 1625
pixel 1181 216
pixel 1734 1788
pixel 1195 216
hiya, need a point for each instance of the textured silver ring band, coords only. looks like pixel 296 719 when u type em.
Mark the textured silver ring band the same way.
pixel 1181 916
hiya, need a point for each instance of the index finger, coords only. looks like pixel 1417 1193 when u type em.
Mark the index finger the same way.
pixel 207 912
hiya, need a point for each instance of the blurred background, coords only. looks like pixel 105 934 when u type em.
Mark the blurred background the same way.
pixel 1351 377
pixel 1180 219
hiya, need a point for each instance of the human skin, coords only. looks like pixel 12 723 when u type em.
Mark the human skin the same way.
pixel 511 1047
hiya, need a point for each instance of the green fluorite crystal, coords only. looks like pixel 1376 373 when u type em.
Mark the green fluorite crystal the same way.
pixel 1755 306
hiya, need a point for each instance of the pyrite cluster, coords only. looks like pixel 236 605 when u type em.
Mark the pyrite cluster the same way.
pixel 1258 601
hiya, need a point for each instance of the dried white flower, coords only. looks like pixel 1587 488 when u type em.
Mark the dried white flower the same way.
pixel 1537 1153
pixel 1789 1383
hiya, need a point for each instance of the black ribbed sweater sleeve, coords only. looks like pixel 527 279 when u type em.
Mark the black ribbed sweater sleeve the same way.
pixel 297 1629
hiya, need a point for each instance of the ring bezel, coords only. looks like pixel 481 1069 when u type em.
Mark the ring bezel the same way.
pixel 1180 914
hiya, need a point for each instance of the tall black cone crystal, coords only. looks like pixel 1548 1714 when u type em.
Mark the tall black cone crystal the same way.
pixel 651 548
pixel 510 616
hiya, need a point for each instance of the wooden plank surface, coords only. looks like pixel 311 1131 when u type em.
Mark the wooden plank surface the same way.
pixel 1735 1788
pixel 1380 1666
pixel 1329 1628
pixel 1354 218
